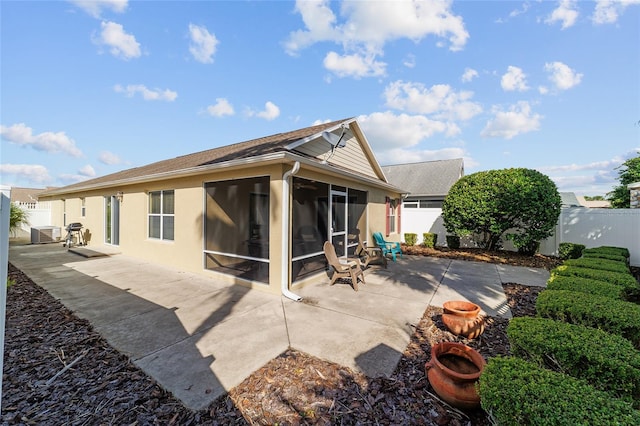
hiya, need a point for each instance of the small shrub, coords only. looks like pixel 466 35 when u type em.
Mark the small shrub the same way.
pixel 453 241
pixel 517 392
pixel 615 316
pixel 585 285
pixel 620 251
pixel 10 282
pixel 601 264
pixel 570 250
pixel 623 279
pixel 606 361
pixel 410 239
pixel 429 239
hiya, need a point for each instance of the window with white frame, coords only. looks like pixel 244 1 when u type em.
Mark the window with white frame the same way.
pixel 391 216
pixel 161 214
pixel 83 207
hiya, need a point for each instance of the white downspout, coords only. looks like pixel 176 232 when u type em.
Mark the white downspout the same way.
pixel 286 189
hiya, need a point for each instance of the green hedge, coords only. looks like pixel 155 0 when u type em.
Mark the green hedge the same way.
pixel 586 285
pixel 410 239
pixel 517 392
pixel 570 250
pixel 620 251
pixel 607 361
pixel 623 279
pixel 601 264
pixel 429 239
pixel 615 316
pixel 608 256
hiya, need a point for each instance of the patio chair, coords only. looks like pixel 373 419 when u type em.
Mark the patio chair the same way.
pixel 369 255
pixel 387 247
pixel 346 268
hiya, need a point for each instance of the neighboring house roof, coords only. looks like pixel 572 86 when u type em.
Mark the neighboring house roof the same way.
pixel 250 152
pixel 25 195
pixel 569 199
pixel 428 178
pixel 594 204
pixel 634 185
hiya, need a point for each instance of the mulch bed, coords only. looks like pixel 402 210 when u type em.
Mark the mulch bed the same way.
pixel 58 370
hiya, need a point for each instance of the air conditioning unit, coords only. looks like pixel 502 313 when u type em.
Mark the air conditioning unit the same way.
pixel 45 234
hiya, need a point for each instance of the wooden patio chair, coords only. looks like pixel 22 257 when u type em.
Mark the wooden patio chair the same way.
pixel 369 255
pixel 346 268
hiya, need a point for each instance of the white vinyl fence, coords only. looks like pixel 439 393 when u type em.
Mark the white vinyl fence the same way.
pixel 591 227
pixel 39 214
pixel 597 227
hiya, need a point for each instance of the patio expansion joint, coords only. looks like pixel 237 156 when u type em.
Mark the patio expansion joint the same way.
pixel 444 274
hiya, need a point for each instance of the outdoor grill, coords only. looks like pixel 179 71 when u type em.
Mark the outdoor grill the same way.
pixel 74 228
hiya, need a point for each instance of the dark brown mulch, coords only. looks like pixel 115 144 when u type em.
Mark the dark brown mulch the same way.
pixel 480 255
pixel 58 370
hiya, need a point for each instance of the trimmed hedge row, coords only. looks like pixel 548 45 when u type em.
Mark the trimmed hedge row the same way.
pixel 606 361
pixel 517 392
pixel 607 256
pixel 619 278
pixel 586 285
pixel 616 316
pixel 619 251
pixel 600 264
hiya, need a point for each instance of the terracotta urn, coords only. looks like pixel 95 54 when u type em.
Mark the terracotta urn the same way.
pixel 463 318
pixel 453 372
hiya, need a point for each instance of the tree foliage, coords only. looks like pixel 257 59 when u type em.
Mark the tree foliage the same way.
pixel 628 172
pixel 17 217
pixel 520 204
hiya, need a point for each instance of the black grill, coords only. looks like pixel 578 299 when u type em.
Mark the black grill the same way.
pixel 76 226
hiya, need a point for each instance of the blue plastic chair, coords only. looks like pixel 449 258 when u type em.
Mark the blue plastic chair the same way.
pixel 386 246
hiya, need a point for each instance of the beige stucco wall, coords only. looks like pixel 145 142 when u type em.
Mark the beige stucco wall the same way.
pixel 186 250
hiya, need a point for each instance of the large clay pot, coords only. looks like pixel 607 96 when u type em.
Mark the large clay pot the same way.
pixel 453 371
pixel 463 318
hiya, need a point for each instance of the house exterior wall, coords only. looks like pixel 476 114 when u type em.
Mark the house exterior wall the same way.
pixel 350 157
pixel 186 250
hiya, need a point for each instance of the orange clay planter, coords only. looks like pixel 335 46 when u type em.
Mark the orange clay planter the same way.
pixel 453 371
pixel 463 318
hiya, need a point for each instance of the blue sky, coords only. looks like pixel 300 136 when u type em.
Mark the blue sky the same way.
pixel 93 87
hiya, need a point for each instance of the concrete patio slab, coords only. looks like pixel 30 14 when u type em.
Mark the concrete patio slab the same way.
pixel 199 337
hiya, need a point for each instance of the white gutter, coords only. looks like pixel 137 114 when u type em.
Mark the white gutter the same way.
pixel 286 189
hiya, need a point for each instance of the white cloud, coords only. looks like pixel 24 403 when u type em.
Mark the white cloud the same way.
pixel 508 124
pixel 109 158
pixel 121 45
pixel 271 111
pixel 203 44
pixel 566 12
pixel 364 30
pixel 84 173
pixel 469 74
pixel 608 11
pixel 221 108
pixel 356 65
pixel 318 122
pixel 386 130
pixel 48 141
pixel 147 94
pixel 33 173
pixel 514 79
pixel 95 7
pixel 403 156
pixel 562 76
pixel 440 100
pixel 410 61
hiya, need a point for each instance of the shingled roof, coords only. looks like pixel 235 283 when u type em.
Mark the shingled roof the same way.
pixel 426 179
pixel 243 150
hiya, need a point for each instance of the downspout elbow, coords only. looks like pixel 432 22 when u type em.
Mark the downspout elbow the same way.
pixel 286 190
